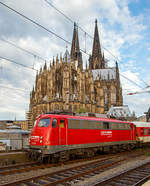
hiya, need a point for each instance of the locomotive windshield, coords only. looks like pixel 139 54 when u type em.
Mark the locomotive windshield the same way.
pixel 34 123
pixel 44 122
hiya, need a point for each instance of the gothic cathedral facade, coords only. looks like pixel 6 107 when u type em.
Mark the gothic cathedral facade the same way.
pixel 65 85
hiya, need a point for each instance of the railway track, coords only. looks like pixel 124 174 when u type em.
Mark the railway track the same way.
pixel 20 168
pixel 133 177
pixel 71 174
pixel 25 167
pixel 12 169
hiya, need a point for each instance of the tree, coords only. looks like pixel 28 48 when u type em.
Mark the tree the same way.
pixel 81 110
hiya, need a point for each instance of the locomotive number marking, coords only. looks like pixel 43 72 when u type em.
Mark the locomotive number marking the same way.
pixel 106 133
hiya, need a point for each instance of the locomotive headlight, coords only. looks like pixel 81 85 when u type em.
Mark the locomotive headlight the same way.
pixel 41 137
pixel 40 141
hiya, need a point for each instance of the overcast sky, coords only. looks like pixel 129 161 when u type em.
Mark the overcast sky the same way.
pixel 123 29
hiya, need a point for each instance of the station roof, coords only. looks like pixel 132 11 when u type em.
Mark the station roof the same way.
pixel 15 131
pixel 119 112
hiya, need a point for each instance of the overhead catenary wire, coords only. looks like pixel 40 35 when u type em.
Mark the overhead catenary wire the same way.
pixel 12 61
pixel 86 34
pixel 131 80
pixel 39 25
pixel 27 51
pixel 13 88
pixel 67 17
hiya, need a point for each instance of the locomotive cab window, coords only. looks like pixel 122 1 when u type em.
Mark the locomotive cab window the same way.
pixel 54 123
pixel 106 125
pixel 44 122
pixel 62 123
pixel 149 131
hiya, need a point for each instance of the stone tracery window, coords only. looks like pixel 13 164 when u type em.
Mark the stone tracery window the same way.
pixel 105 99
pixel 113 95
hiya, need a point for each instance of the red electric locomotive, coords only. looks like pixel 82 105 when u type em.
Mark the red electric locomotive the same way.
pixel 64 136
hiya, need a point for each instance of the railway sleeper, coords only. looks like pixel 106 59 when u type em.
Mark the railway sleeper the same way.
pixel 117 183
pixel 135 176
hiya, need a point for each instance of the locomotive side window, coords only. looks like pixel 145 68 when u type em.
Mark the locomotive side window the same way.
pixel 114 125
pixel 142 131
pixel 149 131
pixel 74 124
pixel 121 125
pixel 44 122
pixel 62 123
pixel 145 131
pixel 105 125
pixel 54 123
pixel 97 125
pixel 84 124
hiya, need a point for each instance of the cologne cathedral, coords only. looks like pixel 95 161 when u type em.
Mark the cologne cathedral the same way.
pixel 65 85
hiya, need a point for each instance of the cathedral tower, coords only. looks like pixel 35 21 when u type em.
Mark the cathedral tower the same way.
pixel 75 49
pixel 66 86
pixel 96 60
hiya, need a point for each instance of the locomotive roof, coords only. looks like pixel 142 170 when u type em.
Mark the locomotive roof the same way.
pixel 141 124
pixel 82 117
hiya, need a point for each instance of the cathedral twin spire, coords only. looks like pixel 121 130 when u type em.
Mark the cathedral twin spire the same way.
pixel 96 52
pixel 96 61
pixel 75 49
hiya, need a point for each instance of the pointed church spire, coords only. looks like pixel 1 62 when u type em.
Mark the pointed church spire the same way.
pixel 40 69
pixel 57 60
pixel 86 65
pixel 60 57
pixel 75 49
pixel 96 52
pixel 36 80
pixel 33 91
pixel 75 42
pixel 53 61
pixel 96 44
pixel 45 66
pixel 117 73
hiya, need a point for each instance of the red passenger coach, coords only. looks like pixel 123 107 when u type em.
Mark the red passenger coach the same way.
pixel 68 136
pixel 142 131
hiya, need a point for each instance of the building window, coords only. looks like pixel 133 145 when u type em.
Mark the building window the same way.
pixel 113 96
pixel 105 99
pixel 75 108
pixel 56 107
